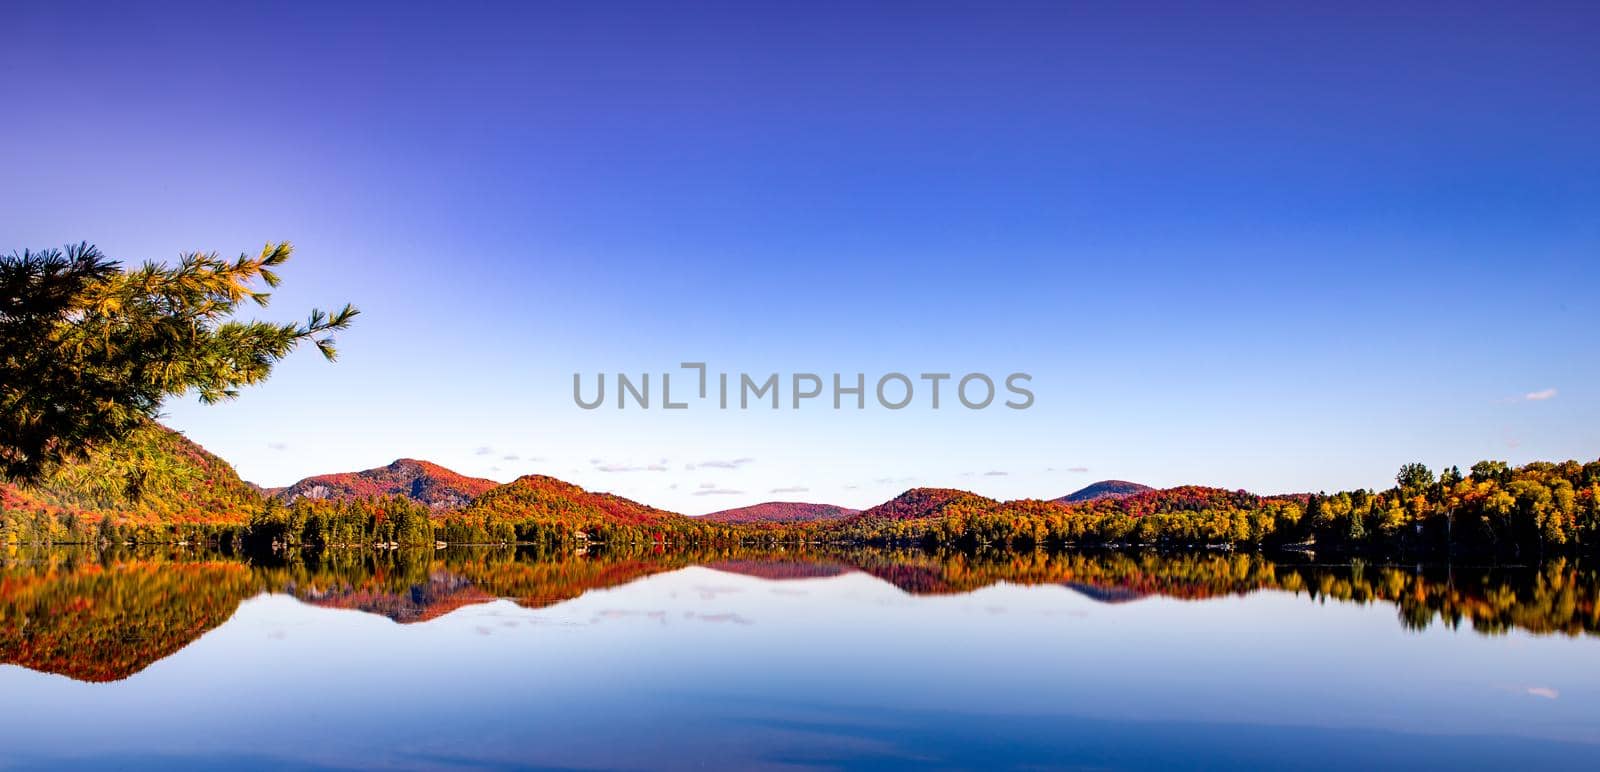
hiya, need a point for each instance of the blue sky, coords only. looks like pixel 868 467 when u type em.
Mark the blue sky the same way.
pixel 1261 245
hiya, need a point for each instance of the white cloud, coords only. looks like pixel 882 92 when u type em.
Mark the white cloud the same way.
pixel 1540 396
pixel 600 466
pixel 794 489
pixel 715 464
pixel 718 492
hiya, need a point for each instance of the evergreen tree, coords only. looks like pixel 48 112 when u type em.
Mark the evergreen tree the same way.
pixel 89 351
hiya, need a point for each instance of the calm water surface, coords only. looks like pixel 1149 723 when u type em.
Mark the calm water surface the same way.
pixel 471 660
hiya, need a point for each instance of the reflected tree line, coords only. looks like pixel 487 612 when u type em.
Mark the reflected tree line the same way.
pixel 105 615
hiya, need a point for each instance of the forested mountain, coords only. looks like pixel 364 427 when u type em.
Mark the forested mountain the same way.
pixel 425 483
pixel 544 510
pixel 155 479
pixel 780 512
pixel 919 503
pixel 1105 489
pixel 1184 498
pixel 537 495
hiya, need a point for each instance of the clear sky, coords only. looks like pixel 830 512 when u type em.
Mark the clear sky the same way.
pixel 1261 245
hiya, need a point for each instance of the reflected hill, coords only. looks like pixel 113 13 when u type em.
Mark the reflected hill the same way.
pixel 98 622
pixel 441 593
pixel 780 569
pixel 101 617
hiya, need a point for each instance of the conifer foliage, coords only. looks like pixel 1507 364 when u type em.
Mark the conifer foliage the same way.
pixel 90 350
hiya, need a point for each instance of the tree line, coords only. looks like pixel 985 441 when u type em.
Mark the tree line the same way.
pixel 1494 508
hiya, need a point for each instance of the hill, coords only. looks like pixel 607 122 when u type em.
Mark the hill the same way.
pixel 537 496
pixel 781 512
pixel 171 481
pixel 544 510
pixel 919 503
pixel 1105 489
pixel 778 569
pixel 423 482
pixel 1184 498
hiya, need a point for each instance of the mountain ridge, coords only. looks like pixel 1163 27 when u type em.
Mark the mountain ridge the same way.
pixel 543 494
pixel 424 482
pixel 1105 489
pixel 780 512
pixel 920 503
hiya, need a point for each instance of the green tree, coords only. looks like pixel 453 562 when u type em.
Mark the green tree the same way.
pixel 1413 478
pixel 89 351
pixel 1490 470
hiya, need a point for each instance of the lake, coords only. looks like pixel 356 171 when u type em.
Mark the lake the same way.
pixel 485 659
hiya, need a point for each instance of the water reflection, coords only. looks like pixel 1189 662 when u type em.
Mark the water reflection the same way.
pixel 105 616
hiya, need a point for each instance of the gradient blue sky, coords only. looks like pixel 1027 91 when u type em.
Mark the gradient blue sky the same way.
pixel 1262 245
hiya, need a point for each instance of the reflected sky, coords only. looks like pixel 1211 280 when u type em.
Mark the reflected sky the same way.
pixel 695 666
